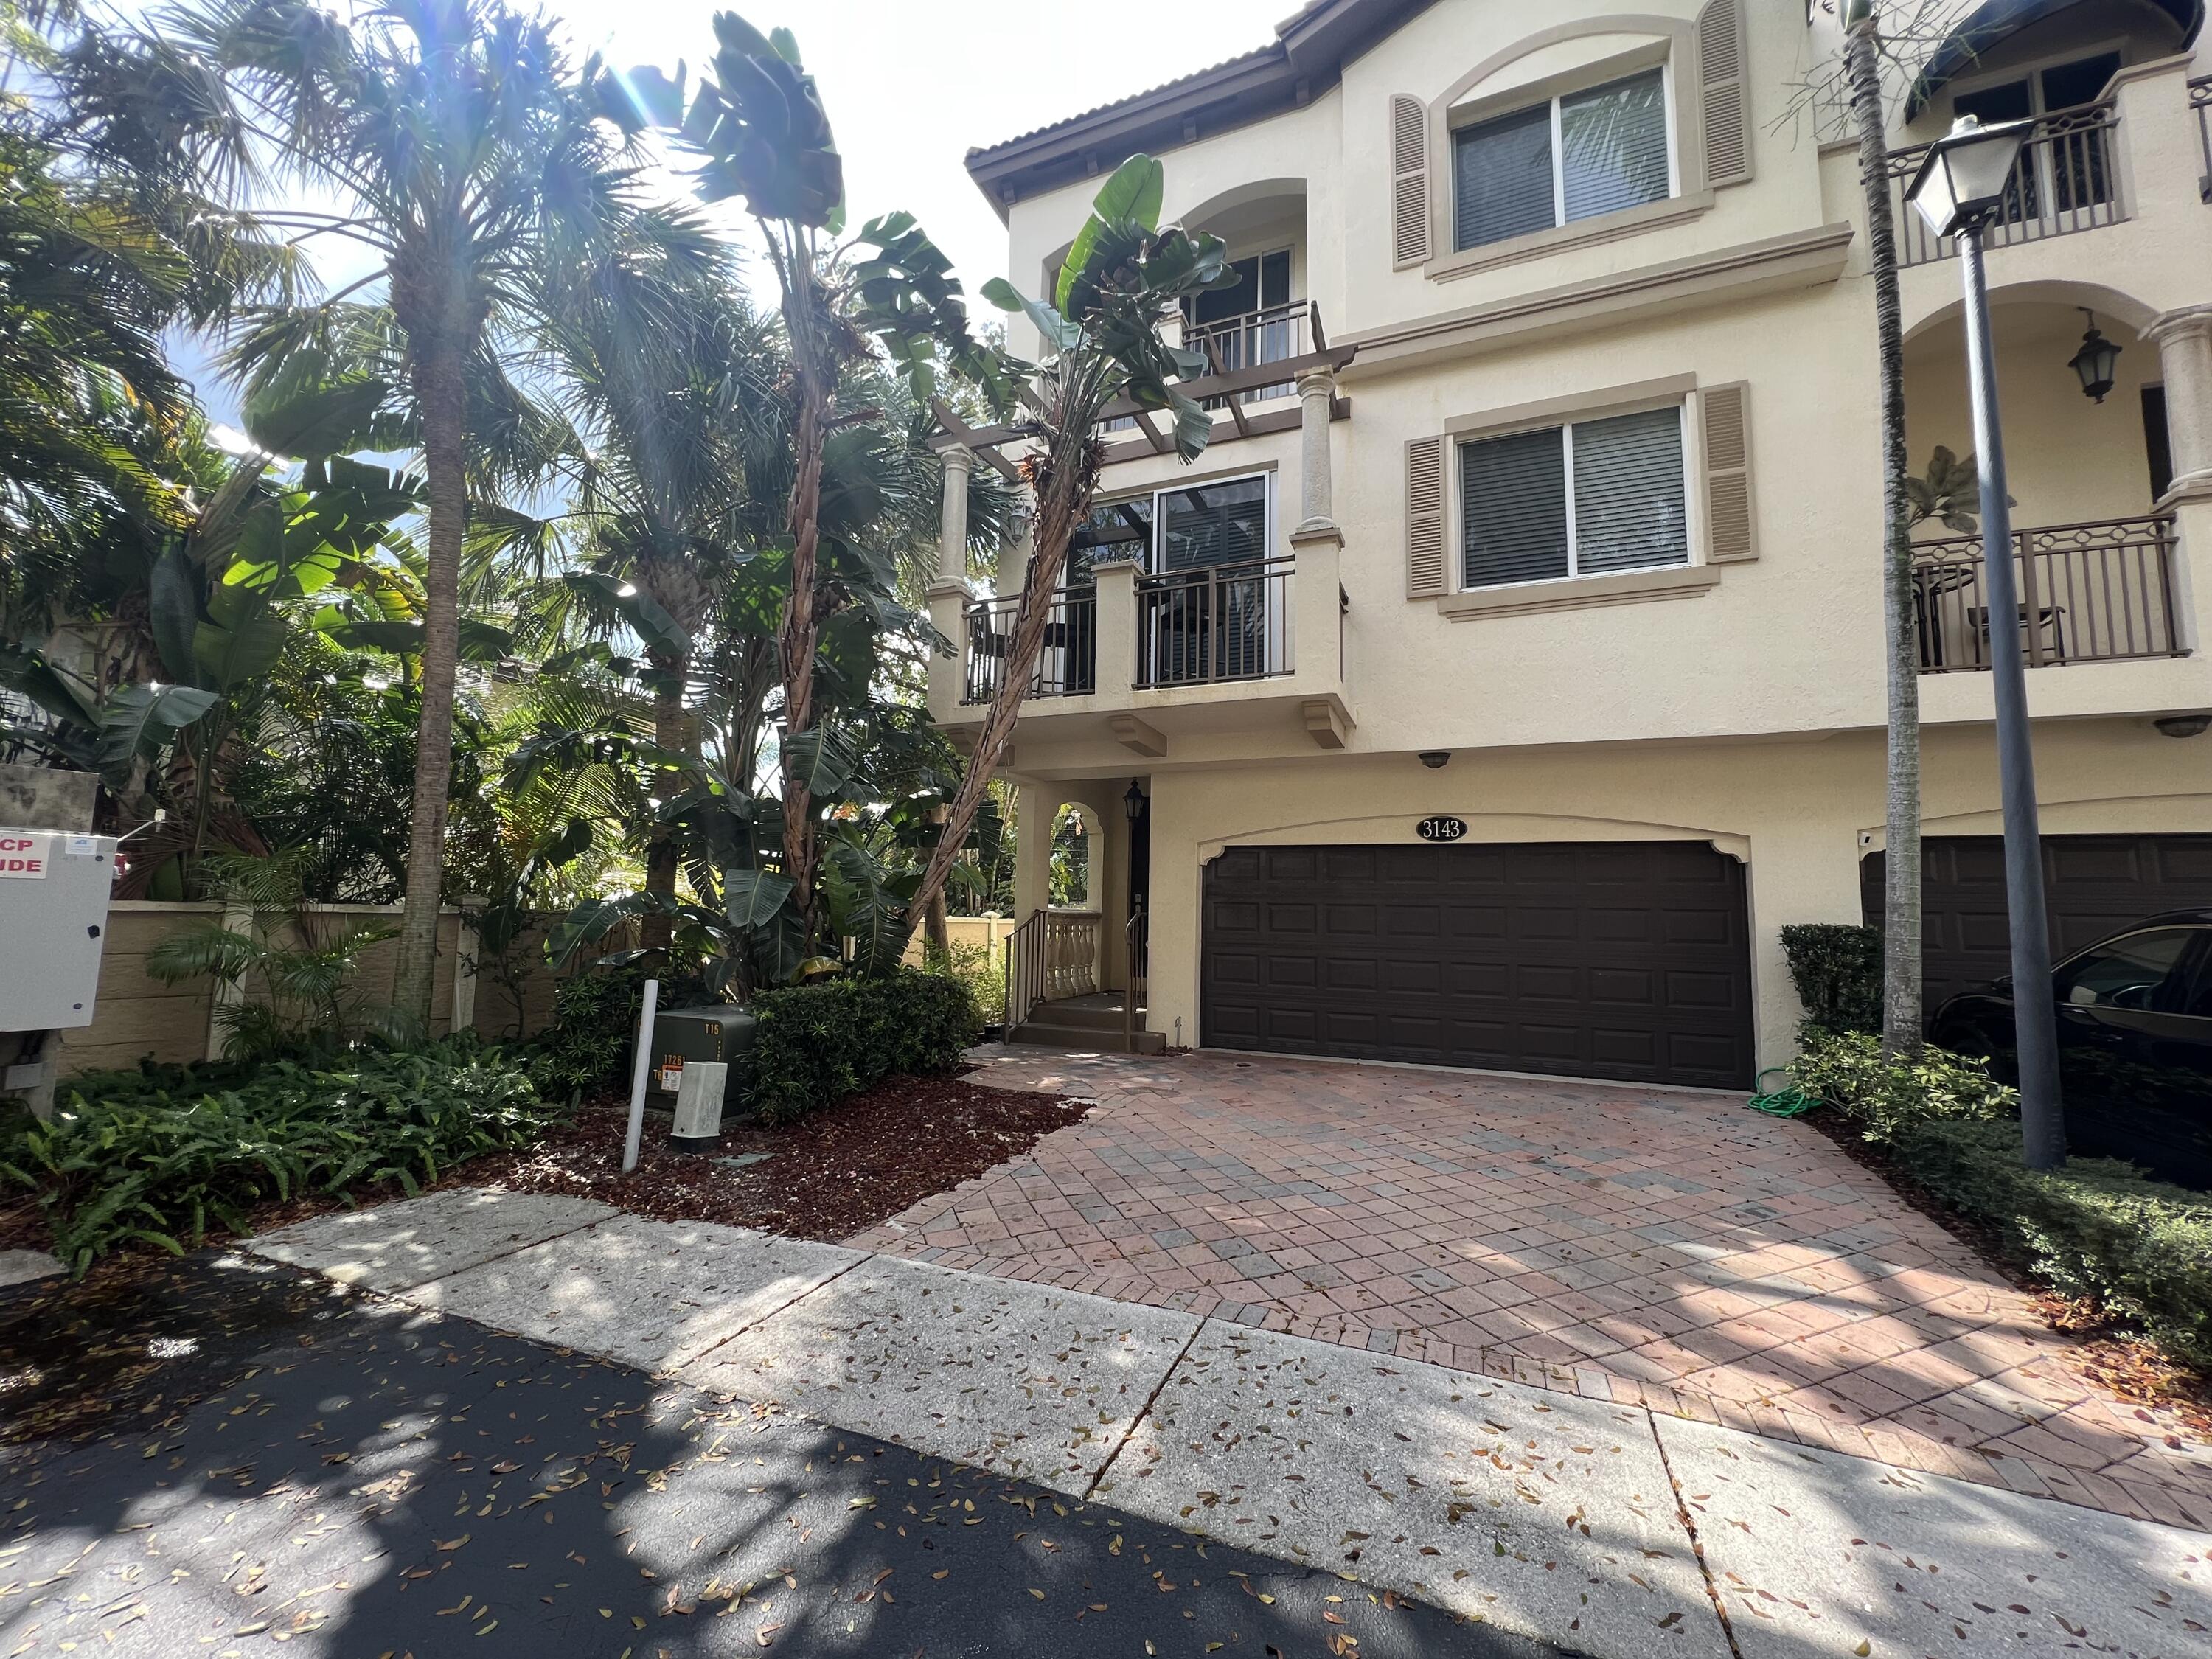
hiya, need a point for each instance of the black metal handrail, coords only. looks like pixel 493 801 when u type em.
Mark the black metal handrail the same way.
pixel 2200 104
pixel 1068 666
pixel 2067 179
pixel 2100 591
pixel 1223 622
pixel 1273 334
pixel 1051 956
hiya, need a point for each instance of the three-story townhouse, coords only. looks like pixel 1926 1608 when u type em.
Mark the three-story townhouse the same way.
pixel 1507 672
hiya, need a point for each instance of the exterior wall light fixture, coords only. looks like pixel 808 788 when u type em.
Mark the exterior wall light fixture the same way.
pixel 2095 361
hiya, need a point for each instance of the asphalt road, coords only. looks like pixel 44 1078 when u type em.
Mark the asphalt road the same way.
pixel 206 1456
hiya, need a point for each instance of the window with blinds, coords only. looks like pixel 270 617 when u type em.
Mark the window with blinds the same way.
pixel 1582 500
pixel 1587 152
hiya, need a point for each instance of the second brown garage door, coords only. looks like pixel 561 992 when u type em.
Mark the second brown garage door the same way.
pixel 1608 959
pixel 2093 886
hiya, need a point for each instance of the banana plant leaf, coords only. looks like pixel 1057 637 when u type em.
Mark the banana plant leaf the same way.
pixel 137 720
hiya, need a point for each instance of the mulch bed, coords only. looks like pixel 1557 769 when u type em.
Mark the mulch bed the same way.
pixel 833 1174
pixel 2109 1355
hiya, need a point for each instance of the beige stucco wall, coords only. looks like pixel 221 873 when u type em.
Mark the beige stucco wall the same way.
pixel 1787 644
pixel 1800 814
pixel 136 1015
pixel 1750 715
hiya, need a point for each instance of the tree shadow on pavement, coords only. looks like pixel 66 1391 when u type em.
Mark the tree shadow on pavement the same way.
pixel 204 1454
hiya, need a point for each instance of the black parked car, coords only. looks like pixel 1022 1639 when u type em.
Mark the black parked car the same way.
pixel 2135 1043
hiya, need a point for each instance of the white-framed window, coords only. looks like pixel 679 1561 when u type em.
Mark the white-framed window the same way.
pixel 1581 498
pixel 1579 155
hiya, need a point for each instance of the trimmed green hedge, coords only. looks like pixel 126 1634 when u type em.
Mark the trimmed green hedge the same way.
pixel 1837 969
pixel 160 1155
pixel 817 1044
pixel 2141 1249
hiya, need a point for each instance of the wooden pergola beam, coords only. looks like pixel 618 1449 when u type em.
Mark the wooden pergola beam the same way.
pixel 985 441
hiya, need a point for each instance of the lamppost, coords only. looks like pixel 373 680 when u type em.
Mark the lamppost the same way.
pixel 1961 190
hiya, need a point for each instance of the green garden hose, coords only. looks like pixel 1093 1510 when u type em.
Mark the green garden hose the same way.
pixel 1786 1101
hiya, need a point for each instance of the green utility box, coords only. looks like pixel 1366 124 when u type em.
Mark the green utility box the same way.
pixel 720 1032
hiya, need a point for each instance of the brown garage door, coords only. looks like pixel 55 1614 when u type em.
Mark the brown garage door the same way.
pixel 2092 885
pixel 1612 959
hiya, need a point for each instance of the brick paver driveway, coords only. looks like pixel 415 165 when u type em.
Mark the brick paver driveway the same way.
pixel 1669 1248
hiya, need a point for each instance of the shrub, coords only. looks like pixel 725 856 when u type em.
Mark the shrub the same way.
pixel 1837 969
pixel 984 976
pixel 816 1044
pixel 587 1047
pixel 160 1155
pixel 2095 1228
pixel 1846 1071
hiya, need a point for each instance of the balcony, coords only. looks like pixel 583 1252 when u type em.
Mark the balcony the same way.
pixel 1214 624
pixel 1143 657
pixel 1273 334
pixel 2087 593
pixel 1066 667
pixel 2067 181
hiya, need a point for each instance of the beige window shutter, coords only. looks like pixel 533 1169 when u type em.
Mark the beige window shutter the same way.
pixel 1730 525
pixel 1723 78
pixel 1409 182
pixel 1425 519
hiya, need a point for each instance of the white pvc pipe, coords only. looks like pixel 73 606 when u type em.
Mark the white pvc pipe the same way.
pixel 637 1075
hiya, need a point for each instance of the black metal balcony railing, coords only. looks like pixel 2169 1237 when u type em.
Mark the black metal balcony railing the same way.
pixel 1066 667
pixel 1274 334
pixel 2087 593
pixel 2200 105
pixel 2067 179
pixel 1229 621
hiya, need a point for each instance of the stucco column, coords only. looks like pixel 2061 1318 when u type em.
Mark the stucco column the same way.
pixel 2184 359
pixel 953 524
pixel 1014 557
pixel 1316 501
pixel 1117 625
pixel 1034 805
pixel 949 595
pixel 2185 356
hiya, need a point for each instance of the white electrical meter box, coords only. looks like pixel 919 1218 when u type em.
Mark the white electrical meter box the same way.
pixel 54 889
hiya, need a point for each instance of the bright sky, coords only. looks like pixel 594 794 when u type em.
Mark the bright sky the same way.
pixel 911 85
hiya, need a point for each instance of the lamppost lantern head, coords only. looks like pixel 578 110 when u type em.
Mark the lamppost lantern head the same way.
pixel 1962 180
pixel 2095 361
pixel 1133 802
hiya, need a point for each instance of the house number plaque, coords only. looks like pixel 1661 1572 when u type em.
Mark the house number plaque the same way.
pixel 1441 829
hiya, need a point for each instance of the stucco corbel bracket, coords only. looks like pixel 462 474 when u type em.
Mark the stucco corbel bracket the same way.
pixel 1327 722
pixel 1137 737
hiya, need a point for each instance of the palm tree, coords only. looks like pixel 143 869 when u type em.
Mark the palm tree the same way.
pixel 462 155
pixel 671 382
pixel 1124 278
pixel 1901 1012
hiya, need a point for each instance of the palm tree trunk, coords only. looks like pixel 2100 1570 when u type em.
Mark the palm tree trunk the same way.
pixel 440 394
pixel 936 926
pixel 1901 1013
pixel 655 931
pixel 801 632
pixel 1064 497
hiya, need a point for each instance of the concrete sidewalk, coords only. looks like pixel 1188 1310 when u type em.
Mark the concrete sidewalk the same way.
pixel 1589 1524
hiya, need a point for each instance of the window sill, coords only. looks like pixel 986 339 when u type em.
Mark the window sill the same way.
pixel 1674 581
pixel 1582 233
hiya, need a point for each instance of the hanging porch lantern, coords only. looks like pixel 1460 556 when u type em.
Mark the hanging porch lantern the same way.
pixel 2095 361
